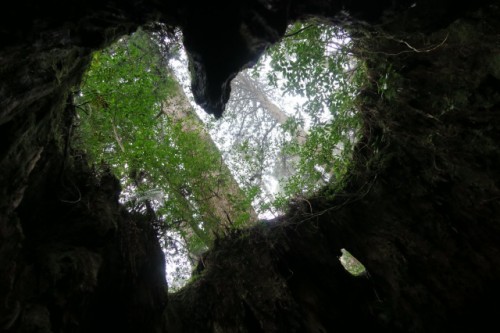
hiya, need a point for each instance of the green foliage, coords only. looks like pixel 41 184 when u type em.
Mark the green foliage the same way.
pixel 130 121
pixel 314 62
pixel 121 94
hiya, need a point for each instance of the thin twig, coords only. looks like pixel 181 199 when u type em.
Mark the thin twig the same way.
pixel 412 49
pixel 423 50
pixel 298 31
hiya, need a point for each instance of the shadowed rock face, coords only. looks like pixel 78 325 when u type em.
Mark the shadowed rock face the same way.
pixel 420 209
pixel 245 28
pixel 222 37
pixel 63 236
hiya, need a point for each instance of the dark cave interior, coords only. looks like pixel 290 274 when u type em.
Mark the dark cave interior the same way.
pixel 420 209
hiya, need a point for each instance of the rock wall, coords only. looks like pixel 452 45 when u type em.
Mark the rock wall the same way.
pixel 48 265
pixel 420 209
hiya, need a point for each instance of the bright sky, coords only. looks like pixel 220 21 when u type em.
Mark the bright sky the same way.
pixel 221 135
pixel 178 264
pixel 178 267
pixel 221 138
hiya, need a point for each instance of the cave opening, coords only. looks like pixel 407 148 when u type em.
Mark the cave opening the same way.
pixel 294 134
pixel 418 206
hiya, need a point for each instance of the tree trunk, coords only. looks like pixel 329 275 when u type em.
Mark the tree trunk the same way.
pixel 225 199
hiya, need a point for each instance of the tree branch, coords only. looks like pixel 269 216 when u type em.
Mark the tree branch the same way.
pixel 117 137
pixel 298 31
